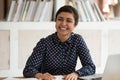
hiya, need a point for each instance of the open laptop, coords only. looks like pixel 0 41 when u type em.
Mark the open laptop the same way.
pixel 111 71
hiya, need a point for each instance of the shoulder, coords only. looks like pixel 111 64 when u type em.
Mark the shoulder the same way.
pixel 78 39
pixel 77 36
pixel 47 38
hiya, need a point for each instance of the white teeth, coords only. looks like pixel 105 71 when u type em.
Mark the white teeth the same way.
pixel 63 28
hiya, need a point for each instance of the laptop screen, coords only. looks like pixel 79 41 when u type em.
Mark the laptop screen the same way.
pixel 112 68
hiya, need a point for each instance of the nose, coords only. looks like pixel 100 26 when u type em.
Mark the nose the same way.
pixel 63 23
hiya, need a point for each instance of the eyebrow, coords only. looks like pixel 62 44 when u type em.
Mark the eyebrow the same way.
pixel 67 18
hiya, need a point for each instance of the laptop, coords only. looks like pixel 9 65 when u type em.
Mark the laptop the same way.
pixel 111 71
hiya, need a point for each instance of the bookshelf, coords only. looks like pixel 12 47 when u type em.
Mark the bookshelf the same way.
pixel 32 10
pixel 44 10
pixel 2 10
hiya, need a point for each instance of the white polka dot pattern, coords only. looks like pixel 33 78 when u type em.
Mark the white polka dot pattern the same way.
pixel 59 58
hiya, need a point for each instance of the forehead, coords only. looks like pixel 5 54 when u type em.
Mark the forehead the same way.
pixel 65 15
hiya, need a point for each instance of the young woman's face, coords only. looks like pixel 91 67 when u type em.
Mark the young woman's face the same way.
pixel 65 23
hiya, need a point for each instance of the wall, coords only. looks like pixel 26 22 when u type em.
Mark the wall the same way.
pixel 4 49
pixel 17 40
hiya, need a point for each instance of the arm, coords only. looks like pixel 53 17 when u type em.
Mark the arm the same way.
pixel 34 62
pixel 88 67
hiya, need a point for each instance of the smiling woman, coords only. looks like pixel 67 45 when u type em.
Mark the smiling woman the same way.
pixel 65 24
pixel 57 54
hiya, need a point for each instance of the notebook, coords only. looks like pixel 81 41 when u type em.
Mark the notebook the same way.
pixel 111 71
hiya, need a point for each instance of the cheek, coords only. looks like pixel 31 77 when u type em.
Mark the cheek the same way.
pixel 56 26
pixel 72 27
pixel 56 23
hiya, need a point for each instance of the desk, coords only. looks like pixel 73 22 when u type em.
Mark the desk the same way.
pixel 92 77
pixel 2 78
pixel 17 78
pixel 59 77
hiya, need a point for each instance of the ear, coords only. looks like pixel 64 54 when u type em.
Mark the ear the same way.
pixel 55 19
pixel 74 25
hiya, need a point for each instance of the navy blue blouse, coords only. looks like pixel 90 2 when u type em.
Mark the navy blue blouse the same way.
pixel 59 58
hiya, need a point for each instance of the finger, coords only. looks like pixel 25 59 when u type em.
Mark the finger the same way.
pixel 51 77
pixel 67 77
pixel 64 76
pixel 72 78
pixel 39 79
pixel 48 76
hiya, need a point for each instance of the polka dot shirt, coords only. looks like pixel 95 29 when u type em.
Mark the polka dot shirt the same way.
pixel 59 58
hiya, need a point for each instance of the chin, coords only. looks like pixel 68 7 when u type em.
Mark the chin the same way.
pixel 64 34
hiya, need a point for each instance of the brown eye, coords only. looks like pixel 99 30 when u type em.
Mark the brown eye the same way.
pixel 59 19
pixel 69 20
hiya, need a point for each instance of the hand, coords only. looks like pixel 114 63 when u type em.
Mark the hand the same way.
pixel 45 76
pixel 72 76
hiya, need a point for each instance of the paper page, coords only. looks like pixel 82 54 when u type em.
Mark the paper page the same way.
pixel 59 77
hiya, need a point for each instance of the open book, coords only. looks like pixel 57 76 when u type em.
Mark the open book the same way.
pixel 58 77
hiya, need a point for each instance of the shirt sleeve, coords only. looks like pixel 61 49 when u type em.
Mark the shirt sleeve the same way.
pixel 88 67
pixel 34 62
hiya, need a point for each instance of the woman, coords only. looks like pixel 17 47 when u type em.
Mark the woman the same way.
pixel 57 54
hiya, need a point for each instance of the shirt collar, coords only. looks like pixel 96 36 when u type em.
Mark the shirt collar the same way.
pixel 57 40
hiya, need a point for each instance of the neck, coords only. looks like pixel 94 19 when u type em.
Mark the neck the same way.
pixel 63 38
